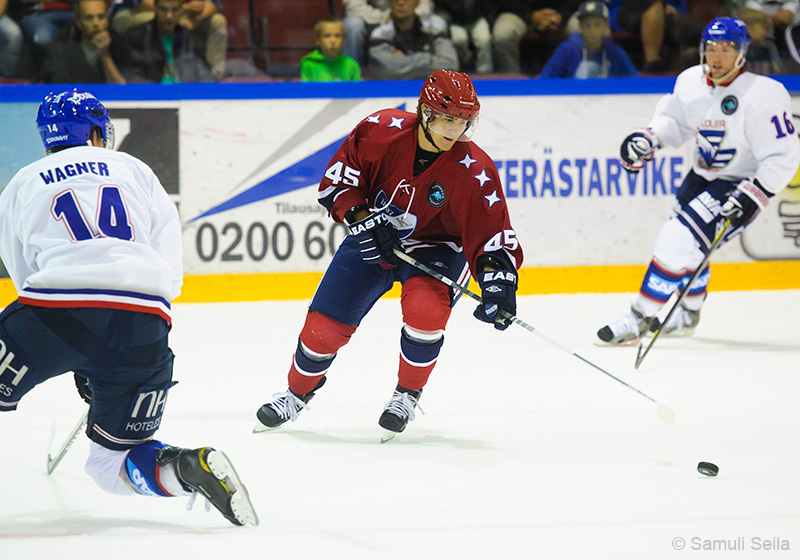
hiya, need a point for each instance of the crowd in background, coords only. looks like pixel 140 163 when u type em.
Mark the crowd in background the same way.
pixel 170 41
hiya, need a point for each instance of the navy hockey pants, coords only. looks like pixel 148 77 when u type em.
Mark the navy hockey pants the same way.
pixel 123 354
pixel 350 287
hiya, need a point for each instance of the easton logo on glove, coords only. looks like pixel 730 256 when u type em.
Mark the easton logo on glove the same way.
pixel 369 223
pixel 494 275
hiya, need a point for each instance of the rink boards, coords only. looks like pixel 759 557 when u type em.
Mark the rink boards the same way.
pixel 243 161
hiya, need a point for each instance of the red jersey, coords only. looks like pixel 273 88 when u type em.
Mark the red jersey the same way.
pixel 458 200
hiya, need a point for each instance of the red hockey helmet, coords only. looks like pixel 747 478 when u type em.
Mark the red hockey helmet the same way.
pixel 451 93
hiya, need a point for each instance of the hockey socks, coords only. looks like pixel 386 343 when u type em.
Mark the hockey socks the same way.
pixel 659 284
pixel 146 477
pixel 317 345
pixel 418 354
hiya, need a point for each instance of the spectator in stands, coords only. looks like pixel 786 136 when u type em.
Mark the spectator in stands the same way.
pixel 469 29
pixel 590 53
pixel 130 13
pixel 202 17
pixel 408 47
pixel 327 63
pixel 85 55
pixel 361 17
pixel 656 22
pixel 763 56
pixel 163 51
pixel 43 22
pixel 10 42
pixel 544 19
pixel 767 22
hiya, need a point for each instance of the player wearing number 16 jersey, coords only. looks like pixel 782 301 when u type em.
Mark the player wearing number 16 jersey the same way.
pixel 92 243
pixel 746 150
pixel 416 182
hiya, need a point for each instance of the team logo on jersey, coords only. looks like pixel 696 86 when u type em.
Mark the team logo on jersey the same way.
pixel 404 221
pixel 729 105
pixel 708 146
pixel 436 195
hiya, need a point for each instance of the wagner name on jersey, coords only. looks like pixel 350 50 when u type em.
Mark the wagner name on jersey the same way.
pixel 90 227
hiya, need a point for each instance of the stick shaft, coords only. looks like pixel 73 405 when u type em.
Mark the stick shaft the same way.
pixel 53 462
pixel 455 285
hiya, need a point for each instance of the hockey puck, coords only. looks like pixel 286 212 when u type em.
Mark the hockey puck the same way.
pixel 707 469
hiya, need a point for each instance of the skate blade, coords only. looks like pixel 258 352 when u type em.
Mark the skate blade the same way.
pixel 388 435
pixel 600 342
pixel 222 468
pixel 260 428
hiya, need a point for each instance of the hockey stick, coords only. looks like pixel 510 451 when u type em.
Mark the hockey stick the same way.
pixel 714 244
pixel 663 412
pixel 52 462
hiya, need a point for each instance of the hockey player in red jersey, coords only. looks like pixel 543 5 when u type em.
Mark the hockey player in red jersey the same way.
pixel 417 182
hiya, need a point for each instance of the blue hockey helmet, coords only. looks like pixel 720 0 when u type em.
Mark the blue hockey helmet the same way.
pixel 67 119
pixel 726 29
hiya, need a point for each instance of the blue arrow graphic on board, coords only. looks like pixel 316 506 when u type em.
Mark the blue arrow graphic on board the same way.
pixel 297 176
pixel 305 172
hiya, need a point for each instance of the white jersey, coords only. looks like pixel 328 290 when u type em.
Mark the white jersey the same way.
pixel 742 131
pixel 90 227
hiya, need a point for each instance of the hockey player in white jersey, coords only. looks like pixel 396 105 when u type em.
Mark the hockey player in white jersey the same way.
pixel 92 243
pixel 746 151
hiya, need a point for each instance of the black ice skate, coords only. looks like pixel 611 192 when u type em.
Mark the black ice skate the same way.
pixel 282 408
pixel 398 412
pixel 210 473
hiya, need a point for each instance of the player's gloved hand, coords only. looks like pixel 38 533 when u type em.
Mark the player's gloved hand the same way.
pixel 637 148
pixel 744 203
pixel 84 390
pixel 376 237
pixel 499 293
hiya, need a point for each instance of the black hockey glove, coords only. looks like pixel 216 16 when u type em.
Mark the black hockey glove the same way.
pixel 499 293
pixel 744 203
pixel 376 237
pixel 84 390
pixel 637 148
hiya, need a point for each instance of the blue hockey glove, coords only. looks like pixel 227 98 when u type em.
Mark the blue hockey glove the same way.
pixel 637 148
pixel 499 293
pixel 376 237
pixel 744 203
pixel 84 390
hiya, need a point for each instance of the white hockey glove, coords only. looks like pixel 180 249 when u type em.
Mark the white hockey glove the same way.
pixel 638 148
pixel 744 203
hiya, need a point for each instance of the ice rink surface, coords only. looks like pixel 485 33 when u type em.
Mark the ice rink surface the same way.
pixel 524 451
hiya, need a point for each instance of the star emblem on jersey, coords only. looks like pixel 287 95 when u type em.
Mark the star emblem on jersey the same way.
pixel 397 123
pixel 492 198
pixel 482 177
pixel 467 161
pixel 376 119
pixel 436 195
pixel 729 105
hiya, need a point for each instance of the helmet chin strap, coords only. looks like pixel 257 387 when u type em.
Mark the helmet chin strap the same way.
pixel 427 132
pixel 728 76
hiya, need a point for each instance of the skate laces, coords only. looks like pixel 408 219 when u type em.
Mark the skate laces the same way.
pixel 287 405
pixel 402 405
pixel 193 497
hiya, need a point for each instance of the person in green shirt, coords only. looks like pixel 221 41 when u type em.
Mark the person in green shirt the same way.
pixel 327 63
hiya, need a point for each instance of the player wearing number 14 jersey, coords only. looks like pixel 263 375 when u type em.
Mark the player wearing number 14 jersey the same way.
pixel 746 150
pixel 92 243
pixel 414 182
